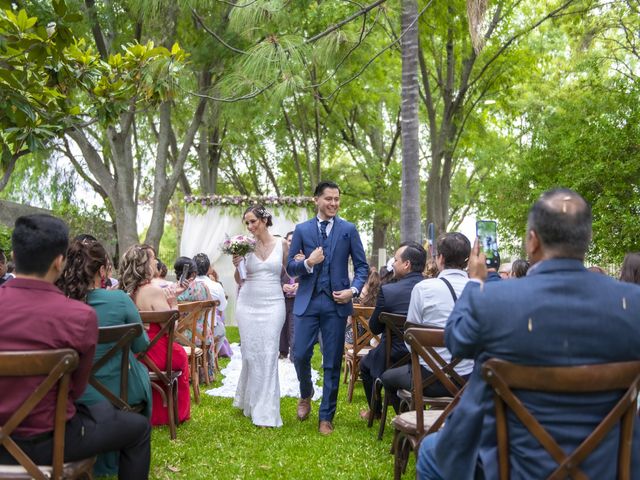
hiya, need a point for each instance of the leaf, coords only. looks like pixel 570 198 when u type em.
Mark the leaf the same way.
pixel 59 7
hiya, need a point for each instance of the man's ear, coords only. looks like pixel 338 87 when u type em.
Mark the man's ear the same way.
pixel 533 242
pixel 58 264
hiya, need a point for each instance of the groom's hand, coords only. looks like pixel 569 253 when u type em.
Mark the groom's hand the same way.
pixel 316 257
pixel 343 296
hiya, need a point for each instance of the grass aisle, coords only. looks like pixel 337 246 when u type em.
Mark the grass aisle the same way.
pixel 219 442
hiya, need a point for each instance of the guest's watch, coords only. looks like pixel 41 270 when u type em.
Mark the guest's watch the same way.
pixel 355 292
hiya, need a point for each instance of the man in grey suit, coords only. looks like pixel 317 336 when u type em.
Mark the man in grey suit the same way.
pixel 558 315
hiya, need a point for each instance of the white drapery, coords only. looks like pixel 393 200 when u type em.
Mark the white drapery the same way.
pixel 204 233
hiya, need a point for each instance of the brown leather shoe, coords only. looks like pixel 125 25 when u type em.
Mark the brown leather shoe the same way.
pixel 325 427
pixel 304 408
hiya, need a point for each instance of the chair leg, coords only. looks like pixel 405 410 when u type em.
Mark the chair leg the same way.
pixel 172 403
pixel 375 400
pixel 352 381
pixel 195 383
pixel 401 456
pixel 383 415
pixel 346 369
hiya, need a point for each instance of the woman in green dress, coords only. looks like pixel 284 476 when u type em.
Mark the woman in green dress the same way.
pixel 84 279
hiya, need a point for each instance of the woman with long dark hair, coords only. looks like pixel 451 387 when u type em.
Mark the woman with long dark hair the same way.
pixel 84 278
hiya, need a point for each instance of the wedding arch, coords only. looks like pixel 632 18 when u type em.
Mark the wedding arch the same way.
pixel 209 219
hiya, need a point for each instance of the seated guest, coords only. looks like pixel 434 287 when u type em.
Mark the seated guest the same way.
pixel 431 302
pixel 217 293
pixel 85 272
pixel 630 270
pixel 4 273
pixel 137 268
pixel 558 315
pixel 224 349
pixel 519 268
pixel 367 298
pixel 37 316
pixel 408 265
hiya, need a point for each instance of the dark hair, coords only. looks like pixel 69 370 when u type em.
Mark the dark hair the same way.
pixel 37 240
pixel 561 219
pixel 83 237
pixel 288 233
pixel 84 259
pixel 179 265
pixel 386 275
pixel 519 268
pixel 630 270
pixel 3 257
pixel 322 186
pixel 161 268
pixel 416 254
pixel 202 263
pixel 261 213
pixel 455 248
pixel 10 267
pixel 373 288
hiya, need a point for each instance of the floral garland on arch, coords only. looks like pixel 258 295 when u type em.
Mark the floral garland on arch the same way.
pixel 199 204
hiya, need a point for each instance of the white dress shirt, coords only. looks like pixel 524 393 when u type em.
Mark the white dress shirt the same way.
pixel 432 303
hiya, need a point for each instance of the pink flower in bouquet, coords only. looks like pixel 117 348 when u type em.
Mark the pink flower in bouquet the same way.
pixel 238 245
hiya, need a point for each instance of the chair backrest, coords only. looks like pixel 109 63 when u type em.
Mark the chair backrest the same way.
pixel 57 365
pixel 504 376
pixel 394 327
pixel 167 321
pixel 121 336
pixel 360 317
pixel 422 342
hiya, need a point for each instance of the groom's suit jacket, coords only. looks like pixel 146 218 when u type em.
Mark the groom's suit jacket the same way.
pixel 344 241
pixel 558 315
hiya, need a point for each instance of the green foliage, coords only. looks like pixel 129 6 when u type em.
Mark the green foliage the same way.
pixel 5 239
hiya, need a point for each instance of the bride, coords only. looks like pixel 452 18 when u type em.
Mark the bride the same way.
pixel 260 313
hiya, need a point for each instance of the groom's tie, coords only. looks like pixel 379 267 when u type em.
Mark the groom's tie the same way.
pixel 323 229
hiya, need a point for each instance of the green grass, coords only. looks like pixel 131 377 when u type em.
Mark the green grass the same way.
pixel 219 442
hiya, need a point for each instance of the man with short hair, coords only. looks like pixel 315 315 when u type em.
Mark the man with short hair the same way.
pixel 324 296
pixel 558 315
pixel 216 291
pixel 408 264
pixel 37 316
pixel 431 303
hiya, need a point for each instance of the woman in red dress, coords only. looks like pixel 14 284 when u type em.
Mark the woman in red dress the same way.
pixel 137 268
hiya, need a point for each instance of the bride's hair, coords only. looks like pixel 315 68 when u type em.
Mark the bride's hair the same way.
pixel 260 212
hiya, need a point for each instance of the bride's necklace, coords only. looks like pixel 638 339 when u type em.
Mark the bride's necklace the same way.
pixel 262 249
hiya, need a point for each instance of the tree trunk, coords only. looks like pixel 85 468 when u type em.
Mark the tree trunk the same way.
pixel 410 208
pixel 379 237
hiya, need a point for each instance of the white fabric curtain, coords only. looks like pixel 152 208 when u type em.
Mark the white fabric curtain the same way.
pixel 204 233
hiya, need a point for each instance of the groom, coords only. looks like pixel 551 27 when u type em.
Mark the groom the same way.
pixel 323 301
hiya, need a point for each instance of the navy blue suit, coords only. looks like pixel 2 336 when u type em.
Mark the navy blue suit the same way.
pixel 576 317
pixel 315 310
pixel 392 298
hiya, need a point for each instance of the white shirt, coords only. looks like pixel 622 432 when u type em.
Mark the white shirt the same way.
pixel 432 303
pixel 216 291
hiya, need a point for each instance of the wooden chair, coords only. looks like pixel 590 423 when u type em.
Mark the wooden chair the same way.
pixel 504 376
pixel 211 354
pixel 165 381
pixel 410 427
pixel 121 336
pixel 190 313
pixel 57 365
pixel 394 328
pixel 361 346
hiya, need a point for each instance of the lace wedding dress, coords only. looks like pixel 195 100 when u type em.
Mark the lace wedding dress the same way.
pixel 260 313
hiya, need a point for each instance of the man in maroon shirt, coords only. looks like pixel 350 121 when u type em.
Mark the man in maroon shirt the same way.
pixel 37 316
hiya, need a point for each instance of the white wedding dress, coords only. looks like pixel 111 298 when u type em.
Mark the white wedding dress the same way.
pixel 260 313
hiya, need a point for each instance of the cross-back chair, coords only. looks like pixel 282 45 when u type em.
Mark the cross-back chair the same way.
pixel 394 328
pixel 164 381
pixel 361 346
pixel 56 366
pixel 504 377
pixel 211 354
pixel 410 427
pixel 190 313
pixel 121 336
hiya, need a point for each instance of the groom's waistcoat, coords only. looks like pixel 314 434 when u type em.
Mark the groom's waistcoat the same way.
pixel 323 281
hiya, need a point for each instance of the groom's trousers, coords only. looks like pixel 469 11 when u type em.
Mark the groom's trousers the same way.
pixel 320 315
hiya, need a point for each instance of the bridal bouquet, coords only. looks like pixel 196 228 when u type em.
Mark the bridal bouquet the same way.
pixel 239 245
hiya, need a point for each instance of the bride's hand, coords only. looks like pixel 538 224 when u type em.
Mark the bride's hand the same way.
pixel 236 260
pixel 299 257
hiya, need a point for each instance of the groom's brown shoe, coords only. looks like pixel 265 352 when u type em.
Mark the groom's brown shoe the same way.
pixel 304 408
pixel 325 427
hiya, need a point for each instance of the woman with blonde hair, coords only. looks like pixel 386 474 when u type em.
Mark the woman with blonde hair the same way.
pixel 137 269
